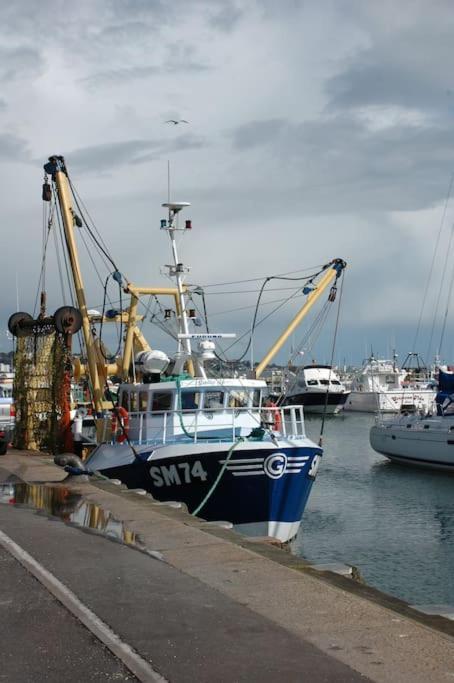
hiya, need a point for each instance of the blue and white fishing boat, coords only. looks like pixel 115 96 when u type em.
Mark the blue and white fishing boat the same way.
pixel 209 442
pixel 213 443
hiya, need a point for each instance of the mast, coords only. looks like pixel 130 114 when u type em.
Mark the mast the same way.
pixel 57 169
pixel 177 270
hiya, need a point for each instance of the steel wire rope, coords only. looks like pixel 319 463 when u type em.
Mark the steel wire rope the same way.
pixel 440 291
pixel 448 302
pixel 308 341
pixel 308 279
pixel 99 241
pixel 104 285
pixel 45 240
pixel 333 350
pixel 120 336
pixel 437 244
pixel 260 279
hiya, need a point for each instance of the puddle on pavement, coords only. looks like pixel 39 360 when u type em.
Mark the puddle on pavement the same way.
pixel 67 505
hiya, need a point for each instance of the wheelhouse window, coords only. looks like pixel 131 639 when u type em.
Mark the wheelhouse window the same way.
pixel 312 382
pixel 238 399
pixel 143 401
pixel 325 382
pixel 162 401
pixel 256 398
pixel 133 401
pixel 125 400
pixel 213 400
pixel 190 400
pixel 335 381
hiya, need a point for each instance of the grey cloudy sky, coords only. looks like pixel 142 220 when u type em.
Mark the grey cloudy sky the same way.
pixel 317 130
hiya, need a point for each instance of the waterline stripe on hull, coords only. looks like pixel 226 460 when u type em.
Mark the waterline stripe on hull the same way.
pixel 283 531
pixel 422 461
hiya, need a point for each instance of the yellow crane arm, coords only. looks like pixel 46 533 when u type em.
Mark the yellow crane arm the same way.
pixel 333 272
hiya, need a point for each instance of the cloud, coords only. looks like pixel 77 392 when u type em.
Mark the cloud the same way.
pixel 179 60
pixel 227 17
pixel 338 163
pixel 257 133
pixel 109 156
pixel 13 148
pixel 394 70
pixel 18 63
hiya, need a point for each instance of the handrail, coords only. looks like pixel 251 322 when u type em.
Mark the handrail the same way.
pixel 166 426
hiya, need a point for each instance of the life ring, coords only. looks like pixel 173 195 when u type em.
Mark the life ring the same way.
pixel 277 424
pixel 120 416
pixel 273 416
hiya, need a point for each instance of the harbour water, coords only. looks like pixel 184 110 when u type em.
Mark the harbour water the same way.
pixel 394 523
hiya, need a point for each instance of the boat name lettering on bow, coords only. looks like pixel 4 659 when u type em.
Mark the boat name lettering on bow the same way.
pixel 183 473
pixel 314 467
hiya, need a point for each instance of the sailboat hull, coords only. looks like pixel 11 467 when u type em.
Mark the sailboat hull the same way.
pixel 423 443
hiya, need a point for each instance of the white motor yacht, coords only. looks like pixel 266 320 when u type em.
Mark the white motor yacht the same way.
pixel 319 389
pixel 381 386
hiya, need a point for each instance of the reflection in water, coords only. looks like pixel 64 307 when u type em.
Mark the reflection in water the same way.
pixel 66 504
pixel 395 523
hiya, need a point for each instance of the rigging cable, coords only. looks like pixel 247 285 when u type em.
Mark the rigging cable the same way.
pixel 333 350
pixel 442 281
pixel 437 244
pixel 309 280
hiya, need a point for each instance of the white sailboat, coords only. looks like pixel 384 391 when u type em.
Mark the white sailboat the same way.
pixel 423 440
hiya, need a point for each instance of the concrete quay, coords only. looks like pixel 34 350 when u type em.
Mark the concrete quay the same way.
pixel 195 602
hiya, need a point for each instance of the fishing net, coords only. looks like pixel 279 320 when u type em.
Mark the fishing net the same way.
pixel 41 390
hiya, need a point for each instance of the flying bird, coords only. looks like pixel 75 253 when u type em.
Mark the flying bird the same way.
pixel 176 122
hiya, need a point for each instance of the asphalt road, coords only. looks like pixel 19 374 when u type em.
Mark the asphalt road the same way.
pixel 41 641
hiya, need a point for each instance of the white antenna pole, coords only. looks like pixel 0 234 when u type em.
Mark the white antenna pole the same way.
pixel 168 181
pixel 179 277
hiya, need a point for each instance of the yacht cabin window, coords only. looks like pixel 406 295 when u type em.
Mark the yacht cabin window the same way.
pixel 335 381
pixel 324 382
pixel 312 382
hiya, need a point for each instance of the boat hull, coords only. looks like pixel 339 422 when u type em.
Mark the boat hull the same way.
pixel 314 402
pixel 431 446
pixel 389 401
pixel 262 489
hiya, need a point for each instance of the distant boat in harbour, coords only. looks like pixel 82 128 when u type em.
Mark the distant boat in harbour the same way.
pixel 381 386
pixel 318 388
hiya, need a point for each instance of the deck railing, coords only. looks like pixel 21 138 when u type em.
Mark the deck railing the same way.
pixel 174 426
